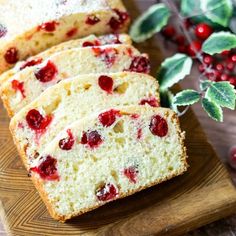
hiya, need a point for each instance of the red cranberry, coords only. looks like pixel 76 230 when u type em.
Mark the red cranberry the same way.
pixel 203 31
pixel 72 32
pixel 36 121
pixel 140 133
pixel 224 77
pixel 158 126
pixel 135 116
pixel 109 117
pixel 232 157
pixel 140 64
pixel 131 173
pixel 68 142
pixel 225 53
pixel 201 68
pixel 3 31
pixel 92 20
pixel 232 80
pixel 230 66
pixel 18 86
pixel 169 31
pixel 180 39
pixel 214 75
pixel 117 22
pixel 182 49
pixel 91 138
pixel 47 73
pixel 194 48
pixel 105 83
pixel 107 192
pixel 32 62
pixel 150 101
pixel 47 169
pixel 91 44
pixel 208 60
pixel 219 67
pixel 11 56
pixel 188 23
pixel 48 26
pixel 233 58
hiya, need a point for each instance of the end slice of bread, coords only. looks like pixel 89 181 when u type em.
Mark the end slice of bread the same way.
pixel 107 156
pixel 39 122
pixel 28 84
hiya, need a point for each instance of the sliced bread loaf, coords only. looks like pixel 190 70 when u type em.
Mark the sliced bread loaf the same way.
pixel 88 41
pixel 108 156
pixel 39 122
pixel 42 24
pixel 28 84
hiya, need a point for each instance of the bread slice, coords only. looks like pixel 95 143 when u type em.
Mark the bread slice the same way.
pixel 88 41
pixel 39 122
pixel 28 84
pixel 108 156
pixel 29 27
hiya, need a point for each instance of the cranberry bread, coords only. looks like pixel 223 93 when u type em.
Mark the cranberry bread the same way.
pixel 39 122
pixel 108 156
pixel 29 27
pixel 28 84
pixel 88 41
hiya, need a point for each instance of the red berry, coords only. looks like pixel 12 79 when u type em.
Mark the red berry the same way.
pixel 230 66
pixel 11 56
pixel 187 23
pixel 225 53
pixel 131 173
pixel 3 31
pixel 169 31
pixel 232 157
pixel 203 31
pixel 32 62
pixel 68 142
pixel 219 67
pixel 152 101
pixel 109 117
pixel 233 58
pixel 107 192
pixel 140 64
pixel 92 138
pixel 201 68
pixel 158 126
pixel 182 49
pixel 46 73
pixel 36 121
pixel 72 32
pixel 92 20
pixel 180 39
pixel 117 22
pixel 48 26
pixel 194 48
pixel 224 77
pixel 207 59
pixel 214 75
pixel 232 80
pixel 47 169
pixel 88 44
pixel 105 83
pixel 18 86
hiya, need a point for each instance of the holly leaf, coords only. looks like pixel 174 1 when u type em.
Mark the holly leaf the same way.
pixel 150 22
pixel 204 84
pixel 186 97
pixel 218 11
pixel 167 100
pixel 212 109
pixel 222 93
pixel 219 42
pixel 174 69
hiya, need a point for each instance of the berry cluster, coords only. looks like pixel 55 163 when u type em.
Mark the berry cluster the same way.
pixel 220 67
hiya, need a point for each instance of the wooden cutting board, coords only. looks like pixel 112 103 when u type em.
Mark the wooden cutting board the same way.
pixel 204 194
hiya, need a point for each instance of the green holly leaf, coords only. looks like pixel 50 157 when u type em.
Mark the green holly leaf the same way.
pixel 186 97
pixel 149 23
pixel 219 42
pixel 218 11
pixel 204 84
pixel 222 93
pixel 167 100
pixel 212 109
pixel 174 69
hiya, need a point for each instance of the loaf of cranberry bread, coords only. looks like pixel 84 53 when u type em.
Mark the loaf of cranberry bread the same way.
pixel 29 27
pixel 108 156
pixel 28 84
pixel 88 41
pixel 39 122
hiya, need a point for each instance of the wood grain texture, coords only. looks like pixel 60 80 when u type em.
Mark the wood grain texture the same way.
pixel 202 195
